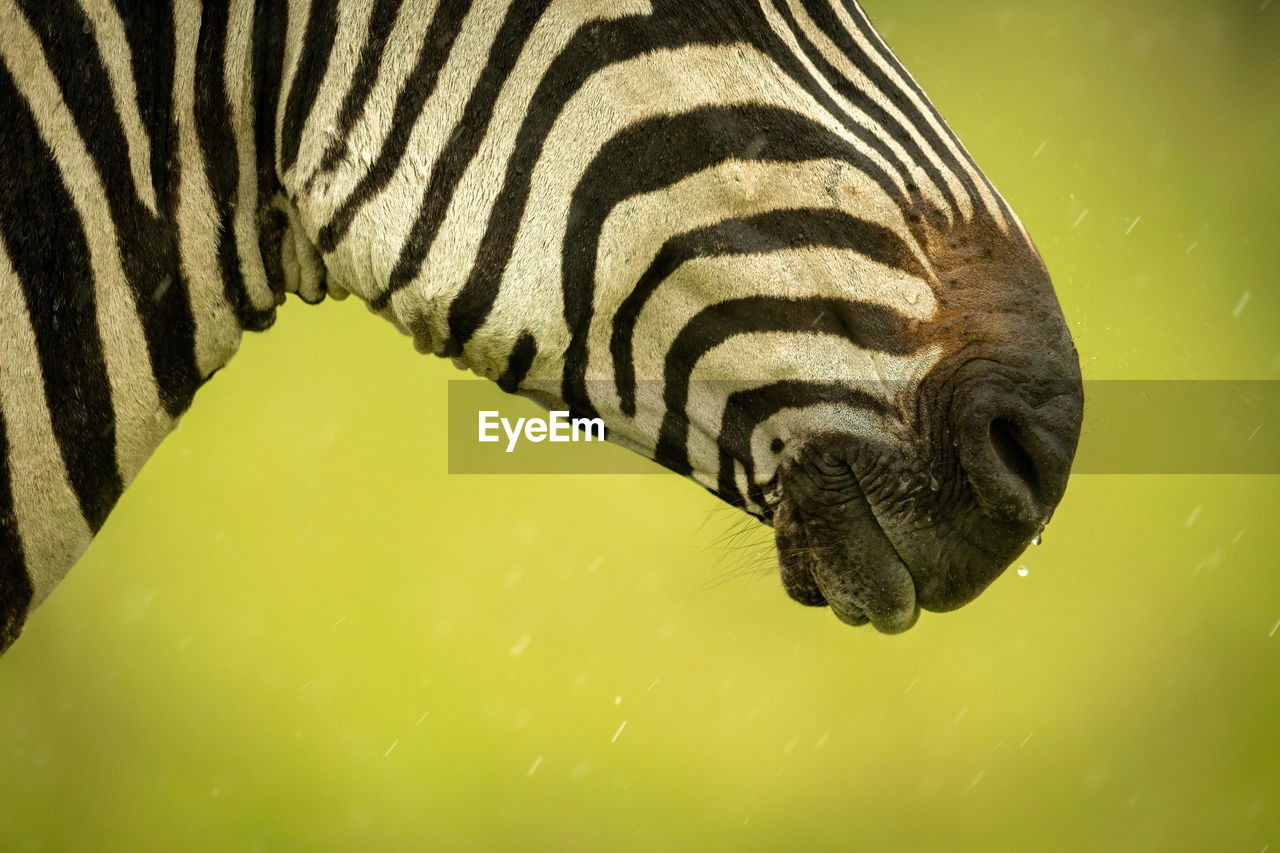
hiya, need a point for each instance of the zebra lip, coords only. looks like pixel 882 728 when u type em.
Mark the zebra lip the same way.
pixel 864 579
pixel 839 555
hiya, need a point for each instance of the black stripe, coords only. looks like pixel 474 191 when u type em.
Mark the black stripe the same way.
pixel 745 410
pixel 15 583
pixel 915 208
pixel 148 250
pixel 776 230
pixel 270 22
pixel 46 243
pixel 445 25
pixel 269 26
pixel 273 228
pixel 726 483
pixel 381 21
pixel 149 30
pixel 522 355
pixel 222 164
pixel 873 38
pixel 313 62
pixel 867 325
pixel 843 41
pixel 660 152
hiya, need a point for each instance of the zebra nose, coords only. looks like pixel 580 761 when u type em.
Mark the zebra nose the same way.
pixel 1017 452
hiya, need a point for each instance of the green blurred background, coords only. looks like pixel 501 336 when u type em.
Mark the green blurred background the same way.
pixel 298 632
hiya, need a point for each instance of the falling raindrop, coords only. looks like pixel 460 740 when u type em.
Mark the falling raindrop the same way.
pixel 1022 571
pixel 933 483
pixel 1239 309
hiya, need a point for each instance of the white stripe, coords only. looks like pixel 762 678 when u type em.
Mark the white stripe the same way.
pixel 299 12
pixel 795 424
pixel 140 423
pixel 740 480
pixel 238 72
pixel 53 531
pixel 217 333
pixel 300 262
pixel 113 47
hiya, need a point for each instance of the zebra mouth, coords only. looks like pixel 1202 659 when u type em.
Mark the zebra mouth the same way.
pixel 833 551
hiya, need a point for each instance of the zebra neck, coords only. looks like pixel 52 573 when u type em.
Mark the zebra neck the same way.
pixel 135 248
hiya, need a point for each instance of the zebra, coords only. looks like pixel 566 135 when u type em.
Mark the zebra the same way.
pixel 735 230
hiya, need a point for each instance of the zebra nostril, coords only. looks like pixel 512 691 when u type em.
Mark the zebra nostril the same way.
pixel 1009 447
pixel 1016 458
pixel 1001 468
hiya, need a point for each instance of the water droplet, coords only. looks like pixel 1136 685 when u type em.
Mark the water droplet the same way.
pixel 1039 537
pixel 1022 571
pixel 933 483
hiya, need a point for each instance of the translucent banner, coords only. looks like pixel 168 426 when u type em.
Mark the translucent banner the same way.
pixel 1130 427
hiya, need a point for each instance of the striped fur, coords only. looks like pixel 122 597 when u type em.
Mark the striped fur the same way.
pixel 711 223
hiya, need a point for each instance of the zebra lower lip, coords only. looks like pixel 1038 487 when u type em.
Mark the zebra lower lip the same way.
pixel 855 618
pixel 882 594
pixel 836 553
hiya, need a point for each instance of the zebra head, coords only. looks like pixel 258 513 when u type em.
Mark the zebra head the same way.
pixel 783 277
pixel 735 230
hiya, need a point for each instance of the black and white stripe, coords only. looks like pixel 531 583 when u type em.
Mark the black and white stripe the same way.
pixel 700 221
